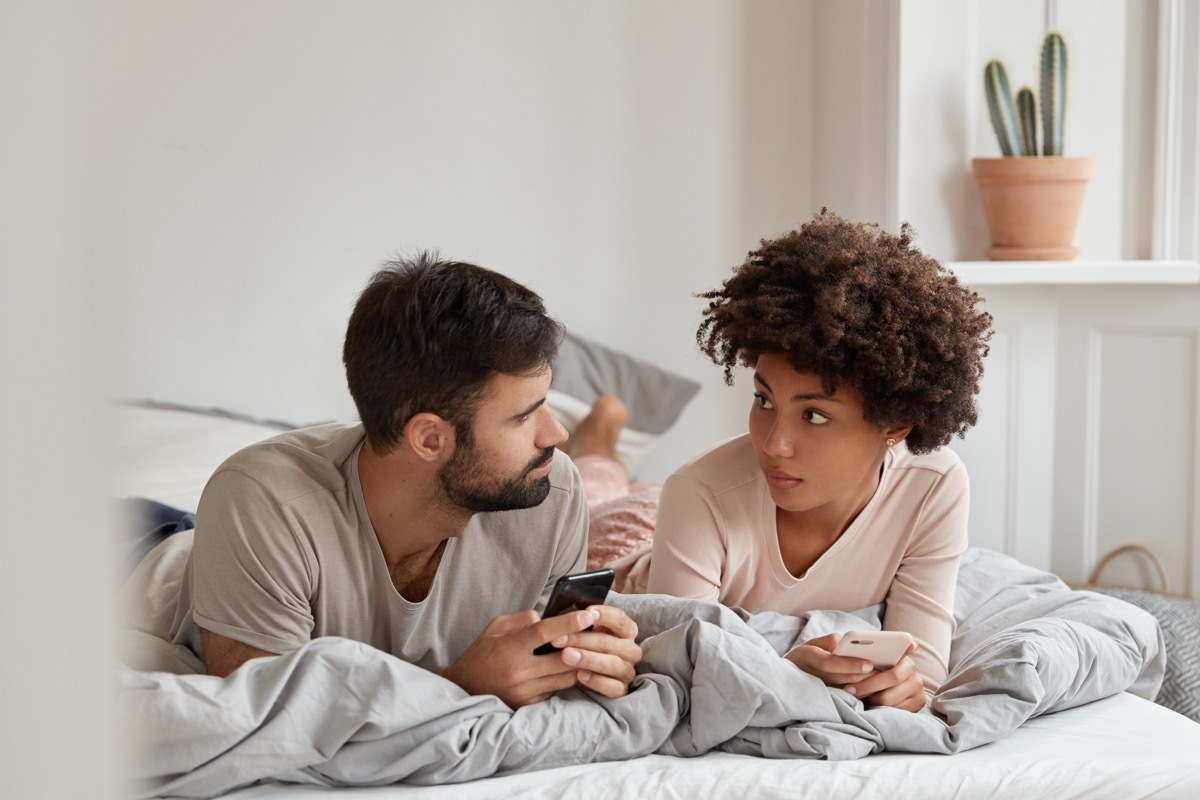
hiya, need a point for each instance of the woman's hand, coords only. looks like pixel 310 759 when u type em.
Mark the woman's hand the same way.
pixel 898 687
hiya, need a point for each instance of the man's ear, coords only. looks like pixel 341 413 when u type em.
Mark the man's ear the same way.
pixel 429 436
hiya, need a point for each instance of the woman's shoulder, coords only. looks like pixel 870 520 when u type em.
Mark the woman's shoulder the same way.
pixel 940 473
pixel 941 461
pixel 727 465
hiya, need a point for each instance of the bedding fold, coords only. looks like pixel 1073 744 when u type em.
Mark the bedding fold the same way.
pixel 340 713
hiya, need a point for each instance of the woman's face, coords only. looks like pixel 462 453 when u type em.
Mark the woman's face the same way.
pixel 816 450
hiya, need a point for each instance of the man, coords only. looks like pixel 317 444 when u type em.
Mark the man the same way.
pixel 431 529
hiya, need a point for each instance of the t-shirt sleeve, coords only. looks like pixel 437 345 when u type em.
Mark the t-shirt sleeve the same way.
pixel 688 556
pixel 252 577
pixel 921 597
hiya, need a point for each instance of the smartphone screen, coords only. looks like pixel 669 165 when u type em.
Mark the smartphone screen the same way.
pixel 575 593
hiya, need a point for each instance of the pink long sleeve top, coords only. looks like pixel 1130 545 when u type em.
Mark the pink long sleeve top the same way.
pixel 716 539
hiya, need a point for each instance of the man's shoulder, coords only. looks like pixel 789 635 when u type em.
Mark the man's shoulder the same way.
pixel 564 477
pixel 298 458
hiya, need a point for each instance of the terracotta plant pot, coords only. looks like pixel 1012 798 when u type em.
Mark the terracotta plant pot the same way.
pixel 1032 205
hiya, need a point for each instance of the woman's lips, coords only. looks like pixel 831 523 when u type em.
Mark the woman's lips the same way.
pixel 780 480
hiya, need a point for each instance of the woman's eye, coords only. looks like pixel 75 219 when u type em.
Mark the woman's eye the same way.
pixel 761 401
pixel 815 417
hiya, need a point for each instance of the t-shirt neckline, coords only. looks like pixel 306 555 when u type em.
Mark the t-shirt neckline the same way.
pixel 371 541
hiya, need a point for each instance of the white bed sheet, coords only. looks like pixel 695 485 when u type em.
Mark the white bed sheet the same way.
pixel 1120 747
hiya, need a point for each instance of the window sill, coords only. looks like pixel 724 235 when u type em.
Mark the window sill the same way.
pixel 1057 273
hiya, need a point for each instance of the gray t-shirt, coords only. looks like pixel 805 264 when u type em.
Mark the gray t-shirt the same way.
pixel 284 552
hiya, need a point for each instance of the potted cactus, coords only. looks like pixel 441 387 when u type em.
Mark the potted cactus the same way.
pixel 1031 200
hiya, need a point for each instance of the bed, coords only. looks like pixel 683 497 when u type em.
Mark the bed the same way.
pixel 1120 747
pixel 710 722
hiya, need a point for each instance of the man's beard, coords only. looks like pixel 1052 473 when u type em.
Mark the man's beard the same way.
pixel 468 485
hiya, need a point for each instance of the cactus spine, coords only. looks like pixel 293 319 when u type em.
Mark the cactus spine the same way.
pixel 1054 93
pixel 1000 107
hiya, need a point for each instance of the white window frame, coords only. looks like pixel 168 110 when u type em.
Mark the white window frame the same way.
pixel 1177 152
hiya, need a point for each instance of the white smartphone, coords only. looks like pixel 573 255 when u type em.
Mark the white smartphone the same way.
pixel 882 648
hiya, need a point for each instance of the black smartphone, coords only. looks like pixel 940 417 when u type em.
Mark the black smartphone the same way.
pixel 575 593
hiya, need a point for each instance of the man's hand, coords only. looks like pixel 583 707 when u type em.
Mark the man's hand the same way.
pixel 898 687
pixel 607 655
pixel 501 660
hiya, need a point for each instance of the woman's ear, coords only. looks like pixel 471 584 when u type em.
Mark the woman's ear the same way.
pixel 428 436
pixel 897 435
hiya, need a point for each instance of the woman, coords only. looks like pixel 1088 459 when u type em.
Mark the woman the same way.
pixel 866 356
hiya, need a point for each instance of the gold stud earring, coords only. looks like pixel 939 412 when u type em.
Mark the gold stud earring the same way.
pixel 891 442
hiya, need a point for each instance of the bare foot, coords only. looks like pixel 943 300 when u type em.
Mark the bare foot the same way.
pixel 597 433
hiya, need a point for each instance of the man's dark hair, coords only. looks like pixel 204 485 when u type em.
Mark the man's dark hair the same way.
pixel 427 335
pixel 862 308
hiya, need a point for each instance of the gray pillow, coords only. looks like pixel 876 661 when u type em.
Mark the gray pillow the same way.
pixel 585 369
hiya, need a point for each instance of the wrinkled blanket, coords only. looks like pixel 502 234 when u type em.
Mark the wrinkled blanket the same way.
pixel 338 712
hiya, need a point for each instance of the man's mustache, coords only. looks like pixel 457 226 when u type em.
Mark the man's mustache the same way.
pixel 542 460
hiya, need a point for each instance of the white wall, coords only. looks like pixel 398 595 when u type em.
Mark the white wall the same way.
pixel 851 112
pixel 263 158
pixel 56 726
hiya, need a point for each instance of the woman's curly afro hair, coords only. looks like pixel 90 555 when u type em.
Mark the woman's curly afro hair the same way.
pixel 862 308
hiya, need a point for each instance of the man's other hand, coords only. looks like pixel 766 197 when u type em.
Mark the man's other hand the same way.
pixel 501 661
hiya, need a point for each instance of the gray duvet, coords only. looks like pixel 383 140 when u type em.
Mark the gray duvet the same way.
pixel 339 713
